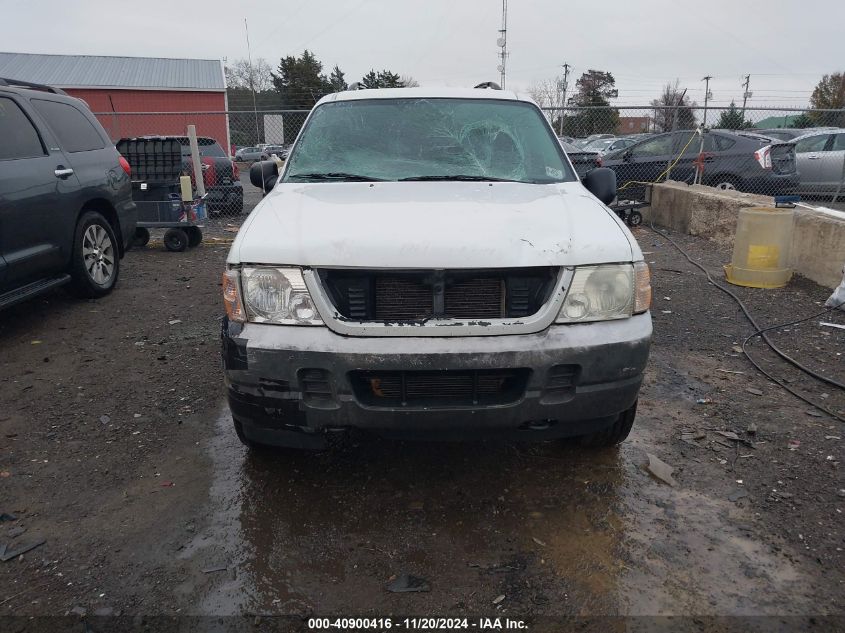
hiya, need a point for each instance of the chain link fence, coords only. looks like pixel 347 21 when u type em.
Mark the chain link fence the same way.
pixel 757 150
pixel 229 143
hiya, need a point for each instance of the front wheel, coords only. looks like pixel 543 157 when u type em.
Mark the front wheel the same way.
pixel 614 434
pixel 95 260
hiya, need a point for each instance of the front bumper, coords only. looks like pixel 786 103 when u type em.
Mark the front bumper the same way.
pixel 269 373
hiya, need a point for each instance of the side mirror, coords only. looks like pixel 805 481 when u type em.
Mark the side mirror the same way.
pixel 601 182
pixel 263 172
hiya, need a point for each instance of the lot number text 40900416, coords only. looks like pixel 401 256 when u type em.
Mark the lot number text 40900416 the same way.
pixel 416 624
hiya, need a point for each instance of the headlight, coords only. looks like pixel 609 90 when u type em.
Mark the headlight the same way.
pixel 602 293
pixel 278 295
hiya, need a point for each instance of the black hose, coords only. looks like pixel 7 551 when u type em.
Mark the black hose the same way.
pixel 762 333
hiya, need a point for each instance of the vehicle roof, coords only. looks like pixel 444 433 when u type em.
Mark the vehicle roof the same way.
pixel 425 93
pixel 820 131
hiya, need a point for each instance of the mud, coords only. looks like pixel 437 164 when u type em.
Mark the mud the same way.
pixel 167 514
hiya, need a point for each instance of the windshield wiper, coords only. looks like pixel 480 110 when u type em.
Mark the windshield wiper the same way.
pixel 335 175
pixel 460 177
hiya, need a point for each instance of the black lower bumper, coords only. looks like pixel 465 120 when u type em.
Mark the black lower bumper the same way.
pixel 293 385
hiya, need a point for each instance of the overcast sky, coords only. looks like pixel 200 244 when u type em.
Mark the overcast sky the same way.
pixel 785 45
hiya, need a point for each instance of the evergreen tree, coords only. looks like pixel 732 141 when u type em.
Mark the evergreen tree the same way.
pixel 732 119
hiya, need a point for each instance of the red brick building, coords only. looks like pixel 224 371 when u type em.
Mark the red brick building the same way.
pixel 633 124
pixel 135 96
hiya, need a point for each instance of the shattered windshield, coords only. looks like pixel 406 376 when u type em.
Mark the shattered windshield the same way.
pixel 427 139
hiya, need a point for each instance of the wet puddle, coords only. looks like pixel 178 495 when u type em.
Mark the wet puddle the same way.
pixel 557 530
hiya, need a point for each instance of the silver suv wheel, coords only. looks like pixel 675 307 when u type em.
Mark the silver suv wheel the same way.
pixel 98 254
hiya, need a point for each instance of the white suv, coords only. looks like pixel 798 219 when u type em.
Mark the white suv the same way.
pixel 428 264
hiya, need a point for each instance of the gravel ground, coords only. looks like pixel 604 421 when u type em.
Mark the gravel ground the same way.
pixel 116 447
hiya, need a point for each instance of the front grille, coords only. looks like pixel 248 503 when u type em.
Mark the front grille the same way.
pixel 416 296
pixel 402 299
pixel 434 389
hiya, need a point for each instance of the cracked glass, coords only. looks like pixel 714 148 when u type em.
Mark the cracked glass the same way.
pixel 428 139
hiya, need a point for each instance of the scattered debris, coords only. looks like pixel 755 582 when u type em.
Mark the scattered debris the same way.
pixel 167 484
pixel 174 322
pixel 813 413
pixel 832 437
pixel 538 541
pixel 35 342
pixel 737 349
pixel 661 470
pixel 756 392
pixel 703 401
pixel 840 492
pixel 5 516
pixel 8 555
pixel 730 371
pixel 105 419
pixel 836 325
pixel 666 311
pixel 793 444
pixel 499 599
pixel 16 531
pixel 729 434
pixel 211 570
pixel 406 583
pixel 752 429
pixel 4 474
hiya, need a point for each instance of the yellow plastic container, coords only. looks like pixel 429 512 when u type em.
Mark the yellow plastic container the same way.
pixel 761 248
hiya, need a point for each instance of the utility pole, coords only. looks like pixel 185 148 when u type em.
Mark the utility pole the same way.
pixel 252 84
pixel 564 86
pixel 745 95
pixel 502 43
pixel 706 81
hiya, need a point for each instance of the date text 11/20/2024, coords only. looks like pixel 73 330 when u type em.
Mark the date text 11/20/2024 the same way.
pixel 415 624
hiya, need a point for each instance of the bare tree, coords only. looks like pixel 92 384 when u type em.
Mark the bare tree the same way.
pixel 547 93
pixel 671 99
pixel 409 82
pixel 238 75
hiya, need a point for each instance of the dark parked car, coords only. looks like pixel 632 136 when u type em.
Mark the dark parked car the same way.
pixel 221 176
pixel 744 161
pixel 583 161
pixel 66 210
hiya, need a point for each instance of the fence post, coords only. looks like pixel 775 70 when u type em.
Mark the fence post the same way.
pixel 195 159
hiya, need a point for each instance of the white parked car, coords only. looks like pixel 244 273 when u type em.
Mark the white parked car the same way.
pixel 428 264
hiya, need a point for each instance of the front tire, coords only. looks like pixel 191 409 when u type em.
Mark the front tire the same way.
pixel 95 259
pixel 614 434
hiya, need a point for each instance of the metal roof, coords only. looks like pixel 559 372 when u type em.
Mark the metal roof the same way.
pixel 94 71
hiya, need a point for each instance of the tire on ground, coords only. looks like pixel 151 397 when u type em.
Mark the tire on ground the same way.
pixel 95 258
pixel 175 240
pixel 614 434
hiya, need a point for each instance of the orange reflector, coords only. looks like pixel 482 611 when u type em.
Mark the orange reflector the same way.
pixel 642 287
pixel 232 296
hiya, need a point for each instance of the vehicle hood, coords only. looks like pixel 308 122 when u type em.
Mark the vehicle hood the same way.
pixel 432 225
